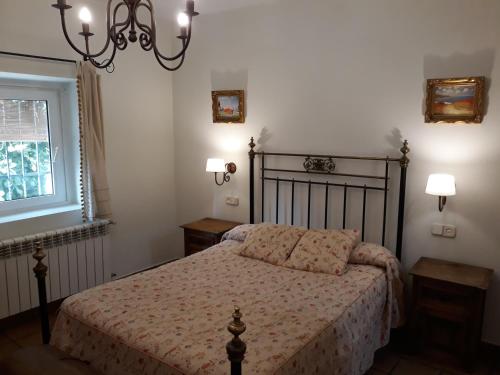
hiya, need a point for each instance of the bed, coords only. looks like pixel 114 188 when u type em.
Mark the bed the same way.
pixel 173 319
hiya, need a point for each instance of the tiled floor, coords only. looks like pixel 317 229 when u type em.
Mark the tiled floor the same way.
pixel 387 361
pixel 19 335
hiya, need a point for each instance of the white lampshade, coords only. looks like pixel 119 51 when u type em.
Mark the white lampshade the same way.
pixel 441 184
pixel 216 165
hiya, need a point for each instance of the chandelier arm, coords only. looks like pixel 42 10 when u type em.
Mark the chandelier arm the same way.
pixel 145 38
pixel 105 63
pixel 185 44
pixel 68 39
pixel 118 38
pixel 126 23
pixel 152 33
pixel 160 61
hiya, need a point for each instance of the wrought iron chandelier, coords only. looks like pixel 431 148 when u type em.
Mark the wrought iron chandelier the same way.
pixel 116 28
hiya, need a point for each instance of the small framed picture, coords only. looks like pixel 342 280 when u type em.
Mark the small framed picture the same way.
pixel 455 100
pixel 228 106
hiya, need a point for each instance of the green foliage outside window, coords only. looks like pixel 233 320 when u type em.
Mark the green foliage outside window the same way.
pixel 25 170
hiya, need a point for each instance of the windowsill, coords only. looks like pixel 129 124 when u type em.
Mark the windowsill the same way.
pixel 39 213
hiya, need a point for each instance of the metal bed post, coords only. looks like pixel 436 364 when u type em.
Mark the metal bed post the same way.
pixel 251 155
pixel 386 188
pixel 236 348
pixel 40 270
pixel 402 192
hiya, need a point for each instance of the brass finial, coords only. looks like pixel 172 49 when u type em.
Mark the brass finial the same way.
pixel 405 150
pixel 237 327
pixel 236 348
pixel 40 269
pixel 252 146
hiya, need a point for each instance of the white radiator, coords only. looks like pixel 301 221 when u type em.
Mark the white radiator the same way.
pixel 77 258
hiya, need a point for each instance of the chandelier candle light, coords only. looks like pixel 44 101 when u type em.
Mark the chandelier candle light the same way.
pixel 117 26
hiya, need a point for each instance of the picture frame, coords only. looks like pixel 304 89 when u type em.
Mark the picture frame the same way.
pixel 228 106
pixel 455 100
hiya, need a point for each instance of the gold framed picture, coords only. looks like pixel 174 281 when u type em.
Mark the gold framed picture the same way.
pixel 228 106
pixel 455 100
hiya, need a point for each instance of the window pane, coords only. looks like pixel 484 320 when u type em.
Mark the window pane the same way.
pixel 31 184
pixel 3 159
pixel 4 189
pixel 15 158
pixel 17 187
pixel 46 184
pixel 30 159
pixel 25 157
pixel 44 157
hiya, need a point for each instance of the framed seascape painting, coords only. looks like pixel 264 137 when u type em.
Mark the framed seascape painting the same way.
pixel 455 100
pixel 228 106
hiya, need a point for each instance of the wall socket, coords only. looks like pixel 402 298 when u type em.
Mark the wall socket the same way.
pixel 233 201
pixel 444 230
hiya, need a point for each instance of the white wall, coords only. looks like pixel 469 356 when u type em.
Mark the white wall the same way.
pixel 361 65
pixel 137 101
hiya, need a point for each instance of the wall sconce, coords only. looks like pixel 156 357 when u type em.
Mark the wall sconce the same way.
pixel 219 166
pixel 441 185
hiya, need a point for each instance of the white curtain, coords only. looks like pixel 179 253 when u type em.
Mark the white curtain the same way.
pixel 95 197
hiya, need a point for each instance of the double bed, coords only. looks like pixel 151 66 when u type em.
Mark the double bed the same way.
pixel 173 319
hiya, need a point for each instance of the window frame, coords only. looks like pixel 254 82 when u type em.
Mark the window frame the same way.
pixel 63 142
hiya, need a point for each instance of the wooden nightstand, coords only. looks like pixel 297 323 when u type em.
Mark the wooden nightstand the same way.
pixel 202 234
pixel 447 311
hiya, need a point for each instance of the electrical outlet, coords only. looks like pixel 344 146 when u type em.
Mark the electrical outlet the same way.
pixel 232 201
pixel 449 231
pixel 437 229
pixel 444 230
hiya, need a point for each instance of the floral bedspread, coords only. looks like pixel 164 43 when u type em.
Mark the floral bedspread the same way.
pixel 173 319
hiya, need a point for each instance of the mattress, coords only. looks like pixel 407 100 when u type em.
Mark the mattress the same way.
pixel 173 319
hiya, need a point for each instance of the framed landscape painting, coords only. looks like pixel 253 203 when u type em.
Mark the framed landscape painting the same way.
pixel 455 100
pixel 228 106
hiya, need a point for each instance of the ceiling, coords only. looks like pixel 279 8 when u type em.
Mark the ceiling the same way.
pixel 206 6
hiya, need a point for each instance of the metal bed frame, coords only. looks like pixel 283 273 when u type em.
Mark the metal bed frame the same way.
pixel 314 165
pixel 324 165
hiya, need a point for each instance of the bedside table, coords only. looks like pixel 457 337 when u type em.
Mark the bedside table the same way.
pixel 448 306
pixel 204 233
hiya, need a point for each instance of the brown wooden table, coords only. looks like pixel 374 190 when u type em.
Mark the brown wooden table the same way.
pixel 202 234
pixel 447 309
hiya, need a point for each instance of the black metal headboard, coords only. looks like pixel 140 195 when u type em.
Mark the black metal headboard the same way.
pixel 325 165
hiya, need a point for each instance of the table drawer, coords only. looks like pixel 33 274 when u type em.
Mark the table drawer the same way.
pixel 197 241
pixel 445 299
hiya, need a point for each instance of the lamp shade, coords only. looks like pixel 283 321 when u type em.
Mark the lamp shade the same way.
pixel 216 165
pixel 441 184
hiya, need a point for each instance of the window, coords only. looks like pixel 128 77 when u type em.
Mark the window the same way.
pixel 37 146
pixel 25 154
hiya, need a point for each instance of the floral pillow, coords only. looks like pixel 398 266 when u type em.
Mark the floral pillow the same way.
pixel 238 233
pixel 324 250
pixel 371 254
pixel 271 243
